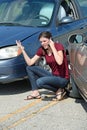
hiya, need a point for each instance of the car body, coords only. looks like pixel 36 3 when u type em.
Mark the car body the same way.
pixel 24 20
pixel 78 62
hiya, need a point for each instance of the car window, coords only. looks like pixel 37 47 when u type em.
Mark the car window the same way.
pixel 76 39
pixel 26 12
pixel 83 5
pixel 66 9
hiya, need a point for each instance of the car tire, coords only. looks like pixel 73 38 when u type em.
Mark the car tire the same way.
pixel 74 92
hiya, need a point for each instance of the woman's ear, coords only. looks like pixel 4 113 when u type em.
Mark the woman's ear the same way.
pixel 51 38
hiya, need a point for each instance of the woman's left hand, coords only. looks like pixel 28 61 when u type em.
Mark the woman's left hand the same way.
pixel 51 43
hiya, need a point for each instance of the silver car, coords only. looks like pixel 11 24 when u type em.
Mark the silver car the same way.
pixel 78 64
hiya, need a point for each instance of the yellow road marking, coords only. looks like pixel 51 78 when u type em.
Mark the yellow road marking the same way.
pixel 19 110
pixel 30 115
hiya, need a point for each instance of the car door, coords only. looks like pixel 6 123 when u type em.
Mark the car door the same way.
pixel 78 61
pixel 74 21
pixel 80 67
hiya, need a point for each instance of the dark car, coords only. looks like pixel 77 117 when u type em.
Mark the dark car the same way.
pixel 24 20
pixel 78 63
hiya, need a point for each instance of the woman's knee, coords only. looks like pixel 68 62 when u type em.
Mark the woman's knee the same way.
pixel 29 68
pixel 39 82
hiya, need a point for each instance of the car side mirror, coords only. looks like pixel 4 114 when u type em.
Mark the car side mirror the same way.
pixel 76 38
pixel 65 20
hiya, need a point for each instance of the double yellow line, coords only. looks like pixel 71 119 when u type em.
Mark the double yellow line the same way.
pixel 26 117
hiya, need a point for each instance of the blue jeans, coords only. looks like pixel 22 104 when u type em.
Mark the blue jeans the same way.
pixel 40 78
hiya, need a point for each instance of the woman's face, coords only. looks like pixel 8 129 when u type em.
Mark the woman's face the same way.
pixel 44 42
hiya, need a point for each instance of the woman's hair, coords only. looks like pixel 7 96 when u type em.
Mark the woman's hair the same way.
pixel 45 35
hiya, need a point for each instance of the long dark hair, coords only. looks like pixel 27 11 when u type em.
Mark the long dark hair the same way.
pixel 45 35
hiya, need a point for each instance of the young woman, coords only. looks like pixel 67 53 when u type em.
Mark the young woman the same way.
pixel 56 59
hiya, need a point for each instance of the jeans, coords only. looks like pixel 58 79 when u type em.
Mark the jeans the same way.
pixel 41 78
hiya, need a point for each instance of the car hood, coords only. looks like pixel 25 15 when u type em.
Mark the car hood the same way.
pixel 8 35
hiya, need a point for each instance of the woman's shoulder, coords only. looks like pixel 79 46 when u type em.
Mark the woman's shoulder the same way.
pixel 59 46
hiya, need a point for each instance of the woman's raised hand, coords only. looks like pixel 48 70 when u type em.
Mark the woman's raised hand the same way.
pixel 19 45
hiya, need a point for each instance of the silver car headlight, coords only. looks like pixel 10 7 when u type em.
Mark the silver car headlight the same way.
pixel 9 52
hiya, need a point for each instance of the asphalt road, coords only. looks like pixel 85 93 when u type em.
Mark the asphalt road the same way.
pixel 37 114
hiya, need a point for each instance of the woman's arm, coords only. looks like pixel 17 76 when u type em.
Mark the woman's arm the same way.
pixel 29 61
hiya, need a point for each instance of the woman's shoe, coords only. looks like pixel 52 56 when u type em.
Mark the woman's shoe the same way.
pixel 60 94
pixel 33 97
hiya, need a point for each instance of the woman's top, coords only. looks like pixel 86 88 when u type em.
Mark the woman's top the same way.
pixel 57 70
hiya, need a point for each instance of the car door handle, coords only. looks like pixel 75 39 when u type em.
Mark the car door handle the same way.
pixel 83 27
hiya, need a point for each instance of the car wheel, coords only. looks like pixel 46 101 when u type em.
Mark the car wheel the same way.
pixel 42 63
pixel 74 92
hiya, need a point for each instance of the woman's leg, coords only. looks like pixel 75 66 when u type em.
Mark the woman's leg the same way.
pixel 35 72
pixel 54 83
pixel 40 78
pixel 51 82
